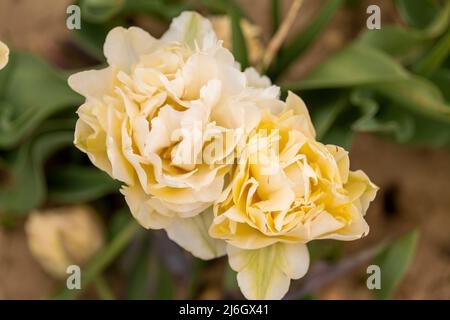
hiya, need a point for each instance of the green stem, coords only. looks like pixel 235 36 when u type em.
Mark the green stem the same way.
pixel 103 289
pixel 102 260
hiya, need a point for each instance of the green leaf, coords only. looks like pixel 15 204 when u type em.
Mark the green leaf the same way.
pixel 138 274
pixel 435 57
pixel 360 66
pixel 166 10
pixel 394 40
pixel 441 79
pixel 418 14
pixel 98 11
pixel 25 188
pixel 75 183
pixel 415 94
pixel 230 282
pixel 198 267
pixel 394 262
pixel 166 289
pixel 325 114
pixel 103 290
pixel 304 38
pixel 352 66
pixel 387 121
pixel 340 134
pixel 238 39
pixel 223 6
pixel 275 14
pixel 30 92
pixel 402 41
pixel 328 250
pixel 91 38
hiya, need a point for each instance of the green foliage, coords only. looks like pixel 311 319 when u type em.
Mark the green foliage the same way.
pixel 238 40
pixel 24 188
pixel 30 92
pixel 394 261
pixel 391 81
pixel 76 183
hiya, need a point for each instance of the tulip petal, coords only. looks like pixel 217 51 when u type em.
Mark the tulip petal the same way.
pixel 191 28
pixel 4 55
pixel 266 273
pixel 295 103
pixel 192 234
pixel 143 210
pixel 92 83
pixel 124 47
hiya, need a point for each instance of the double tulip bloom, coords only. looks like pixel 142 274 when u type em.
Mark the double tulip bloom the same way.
pixel 213 156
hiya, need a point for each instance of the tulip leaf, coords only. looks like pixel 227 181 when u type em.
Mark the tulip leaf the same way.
pixel 435 57
pixel 163 9
pixel 75 183
pixel 326 114
pixel 417 13
pixel 166 286
pixel 401 41
pixel 352 66
pixel 100 10
pixel 275 13
pixel 394 40
pixel 25 188
pixel 416 94
pixel 441 79
pixel 394 261
pixel 91 38
pixel 30 92
pixel 223 6
pixel 374 118
pixel 138 268
pixel 238 39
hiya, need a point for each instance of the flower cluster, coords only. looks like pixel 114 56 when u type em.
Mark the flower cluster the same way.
pixel 211 154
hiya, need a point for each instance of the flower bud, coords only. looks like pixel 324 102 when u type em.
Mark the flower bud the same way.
pixel 4 54
pixel 64 236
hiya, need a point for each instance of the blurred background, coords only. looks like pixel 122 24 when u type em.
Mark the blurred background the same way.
pixel 397 130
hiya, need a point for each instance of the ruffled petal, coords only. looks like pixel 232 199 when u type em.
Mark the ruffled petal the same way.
pixel 4 55
pixel 192 234
pixel 124 47
pixel 191 28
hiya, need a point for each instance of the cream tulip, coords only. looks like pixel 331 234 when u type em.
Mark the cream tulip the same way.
pixel 64 236
pixel 4 55
pixel 287 190
pixel 151 114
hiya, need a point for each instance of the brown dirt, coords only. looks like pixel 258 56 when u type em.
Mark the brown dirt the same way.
pixel 414 182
